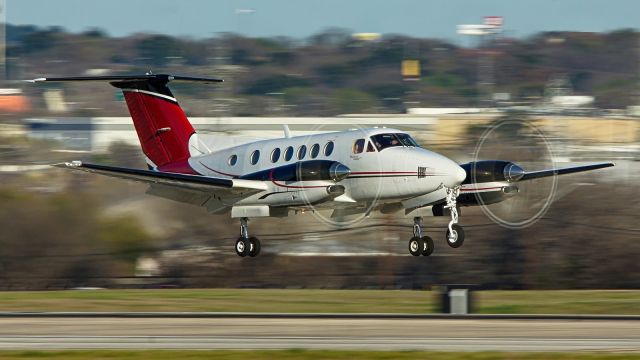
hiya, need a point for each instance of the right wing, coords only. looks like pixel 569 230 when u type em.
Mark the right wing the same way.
pixel 563 171
pixel 192 183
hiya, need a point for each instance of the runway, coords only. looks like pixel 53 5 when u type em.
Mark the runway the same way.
pixel 318 333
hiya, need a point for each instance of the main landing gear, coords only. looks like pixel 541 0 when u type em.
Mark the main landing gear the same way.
pixel 245 245
pixel 423 245
pixel 419 245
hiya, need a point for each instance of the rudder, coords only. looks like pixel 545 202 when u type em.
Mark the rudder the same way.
pixel 162 126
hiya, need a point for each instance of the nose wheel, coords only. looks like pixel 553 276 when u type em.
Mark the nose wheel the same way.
pixel 455 236
pixel 245 245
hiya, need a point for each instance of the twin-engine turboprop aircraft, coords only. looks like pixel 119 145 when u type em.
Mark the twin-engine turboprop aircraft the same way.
pixel 351 172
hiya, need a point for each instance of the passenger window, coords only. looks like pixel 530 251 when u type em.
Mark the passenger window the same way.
pixel 288 154
pixel 328 148
pixel 255 156
pixel 275 155
pixel 315 150
pixel 302 151
pixel 370 147
pixel 358 146
pixel 233 159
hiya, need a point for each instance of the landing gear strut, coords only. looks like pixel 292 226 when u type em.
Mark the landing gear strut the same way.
pixel 419 245
pixel 455 233
pixel 245 245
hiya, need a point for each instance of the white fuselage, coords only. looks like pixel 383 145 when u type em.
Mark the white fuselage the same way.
pixel 390 174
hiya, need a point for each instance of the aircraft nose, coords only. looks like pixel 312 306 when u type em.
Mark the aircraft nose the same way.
pixel 455 174
pixel 460 174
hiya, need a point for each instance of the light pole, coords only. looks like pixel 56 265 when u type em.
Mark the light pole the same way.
pixel 492 26
pixel 244 12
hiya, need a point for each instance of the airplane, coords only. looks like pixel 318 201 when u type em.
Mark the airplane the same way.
pixel 349 172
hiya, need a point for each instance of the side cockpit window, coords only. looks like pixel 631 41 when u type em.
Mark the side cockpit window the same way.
pixel 383 141
pixel 358 146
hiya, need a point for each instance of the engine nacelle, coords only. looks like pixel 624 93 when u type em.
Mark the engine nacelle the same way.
pixel 492 170
pixel 303 171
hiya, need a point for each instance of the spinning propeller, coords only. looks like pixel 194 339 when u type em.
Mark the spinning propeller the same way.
pixel 507 191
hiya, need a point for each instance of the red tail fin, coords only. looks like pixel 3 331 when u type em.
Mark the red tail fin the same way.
pixel 162 126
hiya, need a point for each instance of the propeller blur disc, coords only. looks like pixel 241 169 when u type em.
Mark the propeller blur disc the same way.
pixel 520 141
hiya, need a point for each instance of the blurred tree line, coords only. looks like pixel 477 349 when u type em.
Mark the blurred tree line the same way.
pixel 331 72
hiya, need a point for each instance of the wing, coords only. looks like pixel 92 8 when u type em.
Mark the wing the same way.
pixel 191 183
pixel 562 171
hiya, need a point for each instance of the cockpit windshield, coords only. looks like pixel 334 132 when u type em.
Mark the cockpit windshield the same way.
pixel 407 140
pixel 383 141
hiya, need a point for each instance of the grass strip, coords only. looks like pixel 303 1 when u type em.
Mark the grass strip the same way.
pixel 606 302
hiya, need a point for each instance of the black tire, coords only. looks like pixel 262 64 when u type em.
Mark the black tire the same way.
pixel 242 247
pixel 427 248
pixel 458 239
pixel 254 246
pixel 415 246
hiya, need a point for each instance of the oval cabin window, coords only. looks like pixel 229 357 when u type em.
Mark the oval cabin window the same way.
pixel 315 150
pixel 288 154
pixel 275 155
pixel 328 148
pixel 302 152
pixel 255 156
pixel 233 159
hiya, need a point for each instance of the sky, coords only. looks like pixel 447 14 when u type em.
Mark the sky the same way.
pixel 302 18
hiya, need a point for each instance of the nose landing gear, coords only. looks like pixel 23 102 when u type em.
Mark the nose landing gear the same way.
pixel 455 233
pixel 245 245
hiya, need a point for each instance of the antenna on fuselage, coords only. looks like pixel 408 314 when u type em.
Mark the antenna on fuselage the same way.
pixel 287 132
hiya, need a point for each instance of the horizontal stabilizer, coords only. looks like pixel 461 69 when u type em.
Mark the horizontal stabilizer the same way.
pixel 164 78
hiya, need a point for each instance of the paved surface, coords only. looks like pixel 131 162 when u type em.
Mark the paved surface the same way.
pixel 271 333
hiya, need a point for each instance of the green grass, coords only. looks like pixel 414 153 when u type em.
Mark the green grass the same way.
pixel 302 354
pixel 560 302
pixel 318 301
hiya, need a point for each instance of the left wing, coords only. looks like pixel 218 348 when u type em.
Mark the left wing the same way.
pixel 204 184
pixel 562 171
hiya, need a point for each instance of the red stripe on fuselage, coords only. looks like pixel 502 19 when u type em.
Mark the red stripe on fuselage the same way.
pixel 383 172
pixel 218 172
